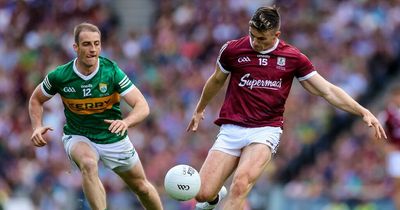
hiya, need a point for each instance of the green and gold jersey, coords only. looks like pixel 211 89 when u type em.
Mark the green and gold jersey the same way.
pixel 89 100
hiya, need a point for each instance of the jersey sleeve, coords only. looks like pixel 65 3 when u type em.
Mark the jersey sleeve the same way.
pixel 123 83
pixel 222 60
pixel 305 68
pixel 48 85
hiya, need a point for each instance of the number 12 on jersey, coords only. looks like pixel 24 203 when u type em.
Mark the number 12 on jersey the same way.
pixel 87 92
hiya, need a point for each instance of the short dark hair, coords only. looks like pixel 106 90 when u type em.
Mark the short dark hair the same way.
pixel 266 18
pixel 84 27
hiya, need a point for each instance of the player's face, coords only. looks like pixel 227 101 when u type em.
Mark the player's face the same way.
pixel 261 41
pixel 88 49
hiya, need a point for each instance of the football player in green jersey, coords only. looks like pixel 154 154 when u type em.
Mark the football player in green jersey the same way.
pixel 90 87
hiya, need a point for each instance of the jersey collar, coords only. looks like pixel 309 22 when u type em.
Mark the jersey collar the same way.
pixel 268 50
pixel 86 77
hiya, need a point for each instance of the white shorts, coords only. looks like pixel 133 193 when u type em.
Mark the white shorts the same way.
pixel 233 138
pixel 118 156
pixel 393 164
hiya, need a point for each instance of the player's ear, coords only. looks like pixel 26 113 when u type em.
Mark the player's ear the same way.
pixel 277 34
pixel 75 46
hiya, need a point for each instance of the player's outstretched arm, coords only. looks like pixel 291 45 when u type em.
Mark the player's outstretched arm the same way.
pixel 317 85
pixel 211 88
pixel 140 111
pixel 36 114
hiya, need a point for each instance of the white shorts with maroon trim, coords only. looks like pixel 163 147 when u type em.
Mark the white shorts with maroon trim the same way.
pixel 233 138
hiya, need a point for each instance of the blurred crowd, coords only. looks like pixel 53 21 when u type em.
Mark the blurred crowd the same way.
pixel 354 44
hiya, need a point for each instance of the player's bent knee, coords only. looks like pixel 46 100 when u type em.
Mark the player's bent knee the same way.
pixel 88 166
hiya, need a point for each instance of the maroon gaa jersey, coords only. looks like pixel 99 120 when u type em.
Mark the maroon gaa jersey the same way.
pixel 390 118
pixel 260 82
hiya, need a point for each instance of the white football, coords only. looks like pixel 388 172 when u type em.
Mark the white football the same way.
pixel 182 182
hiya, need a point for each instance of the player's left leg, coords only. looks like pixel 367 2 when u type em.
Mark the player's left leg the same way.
pixel 253 161
pixel 123 159
pixel 136 179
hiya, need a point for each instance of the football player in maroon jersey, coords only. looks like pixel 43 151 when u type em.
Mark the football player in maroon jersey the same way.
pixel 261 69
pixel 390 119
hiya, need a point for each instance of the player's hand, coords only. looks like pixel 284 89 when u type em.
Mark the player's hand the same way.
pixel 37 136
pixel 194 123
pixel 371 121
pixel 117 126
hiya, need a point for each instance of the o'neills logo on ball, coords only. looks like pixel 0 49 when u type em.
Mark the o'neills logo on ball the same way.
pixel 259 83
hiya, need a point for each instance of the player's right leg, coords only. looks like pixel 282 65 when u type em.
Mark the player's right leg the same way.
pixel 253 161
pixel 221 161
pixel 81 152
pixel 217 167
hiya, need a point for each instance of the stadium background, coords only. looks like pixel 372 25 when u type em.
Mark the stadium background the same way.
pixel 326 160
